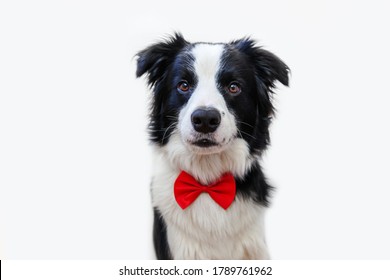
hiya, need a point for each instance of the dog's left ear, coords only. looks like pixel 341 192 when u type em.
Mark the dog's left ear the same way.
pixel 269 68
pixel 155 59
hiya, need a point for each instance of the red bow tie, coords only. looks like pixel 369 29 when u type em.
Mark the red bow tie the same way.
pixel 187 189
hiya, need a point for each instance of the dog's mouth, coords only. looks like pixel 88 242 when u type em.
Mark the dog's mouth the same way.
pixel 208 145
pixel 204 143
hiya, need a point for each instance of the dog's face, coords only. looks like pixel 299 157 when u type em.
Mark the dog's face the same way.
pixel 211 94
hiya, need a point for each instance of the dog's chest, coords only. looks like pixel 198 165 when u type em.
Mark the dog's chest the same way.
pixel 204 224
pixel 204 219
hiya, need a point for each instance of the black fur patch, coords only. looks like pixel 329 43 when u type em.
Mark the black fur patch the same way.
pixel 165 63
pixel 160 237
pixel 254 186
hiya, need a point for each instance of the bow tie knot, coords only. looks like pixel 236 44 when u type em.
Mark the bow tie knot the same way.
pixel 187 190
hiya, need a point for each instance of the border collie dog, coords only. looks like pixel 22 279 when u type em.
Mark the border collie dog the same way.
pixel 209 124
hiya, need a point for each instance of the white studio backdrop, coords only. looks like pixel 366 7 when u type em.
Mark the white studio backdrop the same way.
pixel 74 156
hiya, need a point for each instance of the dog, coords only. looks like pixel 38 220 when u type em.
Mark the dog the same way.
pixel 209 124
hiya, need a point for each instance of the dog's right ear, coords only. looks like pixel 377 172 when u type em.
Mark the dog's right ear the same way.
pixel 155 59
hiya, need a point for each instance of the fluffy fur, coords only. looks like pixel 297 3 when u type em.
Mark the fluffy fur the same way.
pixel 232 83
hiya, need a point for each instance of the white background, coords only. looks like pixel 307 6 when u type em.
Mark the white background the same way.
pixel 74 157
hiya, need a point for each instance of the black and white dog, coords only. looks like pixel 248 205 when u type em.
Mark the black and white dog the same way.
pixel 209 124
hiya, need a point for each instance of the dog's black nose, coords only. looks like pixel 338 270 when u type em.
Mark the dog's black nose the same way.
pixel 206 120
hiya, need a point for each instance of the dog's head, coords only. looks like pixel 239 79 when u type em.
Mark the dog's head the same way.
pixel 211 94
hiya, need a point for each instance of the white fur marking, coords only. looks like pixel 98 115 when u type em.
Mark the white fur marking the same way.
pixel 206 94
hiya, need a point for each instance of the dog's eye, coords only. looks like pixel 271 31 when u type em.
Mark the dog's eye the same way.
pixel 183 87
pixel 234 88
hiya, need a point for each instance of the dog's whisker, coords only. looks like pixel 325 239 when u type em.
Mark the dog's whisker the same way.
pixel 240 133
pixel 166 130
pixel 171 117
pixel 246 134
pixel 156 130
pixel 246 124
